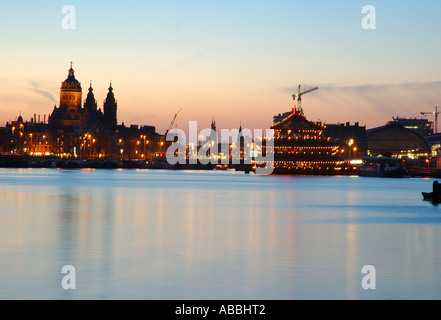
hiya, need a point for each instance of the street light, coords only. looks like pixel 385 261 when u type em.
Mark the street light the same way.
pixel 143 137
pixel 350 144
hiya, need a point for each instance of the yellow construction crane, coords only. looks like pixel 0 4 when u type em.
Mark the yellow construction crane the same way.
pixel 299 95
pixel 173 121
pixel 436 113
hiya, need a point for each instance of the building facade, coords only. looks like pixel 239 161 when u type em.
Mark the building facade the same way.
pixel 300 147
pixel 71 112
pixel 77 130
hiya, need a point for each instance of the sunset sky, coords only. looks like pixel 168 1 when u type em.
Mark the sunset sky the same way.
pixel 238 61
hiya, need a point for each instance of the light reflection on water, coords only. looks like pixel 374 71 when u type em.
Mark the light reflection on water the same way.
pixel 215 235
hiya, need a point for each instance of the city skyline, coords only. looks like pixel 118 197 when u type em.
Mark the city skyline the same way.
pixel 305 161
pixel 237 62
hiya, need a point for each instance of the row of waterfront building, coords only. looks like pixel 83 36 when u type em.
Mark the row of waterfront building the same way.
pixel 77 130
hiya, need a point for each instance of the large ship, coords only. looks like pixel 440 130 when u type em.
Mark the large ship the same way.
pixel 301 148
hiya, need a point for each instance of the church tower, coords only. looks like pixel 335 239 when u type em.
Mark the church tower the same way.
pixel 110 108
pixel 90 102
pixel 70 93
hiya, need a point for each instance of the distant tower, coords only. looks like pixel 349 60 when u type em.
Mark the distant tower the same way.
pixel 241 144
pixel 70 93
pixel 90 102
pixel 213 134
pixel 110 108
pixel 241 139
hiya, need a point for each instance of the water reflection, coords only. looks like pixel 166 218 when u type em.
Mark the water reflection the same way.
pixel 211 235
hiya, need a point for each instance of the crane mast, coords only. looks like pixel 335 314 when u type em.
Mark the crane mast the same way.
pixel 173 121
pixel 436 113
pixel 299 95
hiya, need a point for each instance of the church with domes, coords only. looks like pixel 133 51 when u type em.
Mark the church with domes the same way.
pixel 78 128
pixel 72 113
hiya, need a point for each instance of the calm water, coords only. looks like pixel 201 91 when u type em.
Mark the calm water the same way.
pixel 215 235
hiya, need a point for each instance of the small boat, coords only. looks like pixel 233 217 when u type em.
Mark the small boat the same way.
pixel 435 195
pixel 429 196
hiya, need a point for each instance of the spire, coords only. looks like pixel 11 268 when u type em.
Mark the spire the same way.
pixel 90 102
pixel 71 70
pixel 110 108
pixel 110 95
pixel 90 90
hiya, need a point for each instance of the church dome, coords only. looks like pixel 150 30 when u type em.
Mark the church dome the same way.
pixel 71 84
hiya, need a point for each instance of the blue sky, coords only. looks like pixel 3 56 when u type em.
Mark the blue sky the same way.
pixel 238 61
